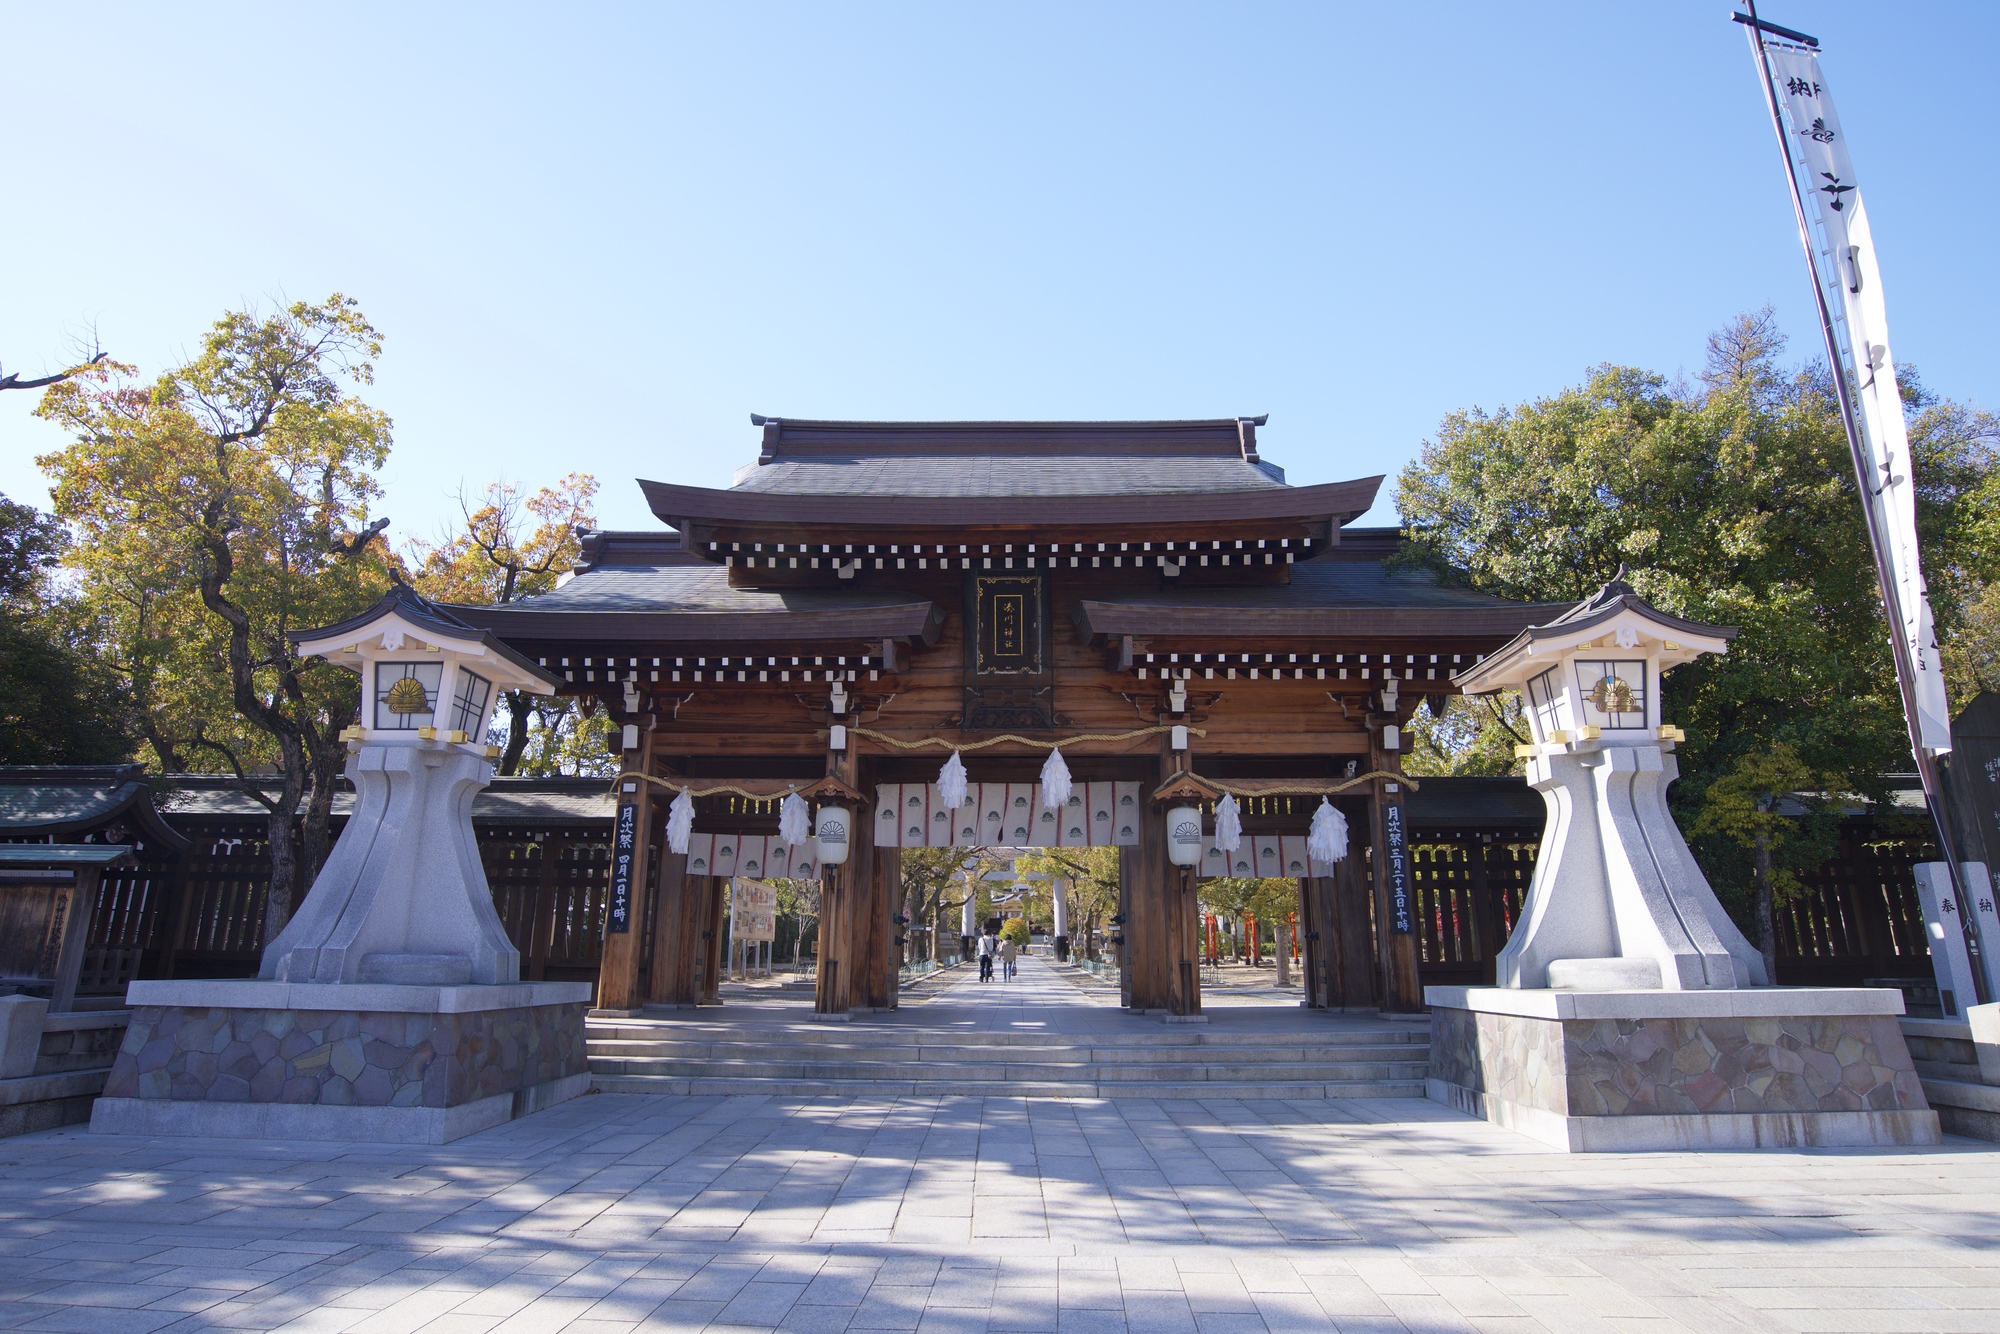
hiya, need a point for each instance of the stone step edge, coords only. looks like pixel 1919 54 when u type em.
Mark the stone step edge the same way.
pixel 1158 1074
pixel 668 1030
pixel 1077 1055
pixel 663 1085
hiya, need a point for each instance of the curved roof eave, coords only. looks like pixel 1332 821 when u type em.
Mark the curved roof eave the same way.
pixel 681 505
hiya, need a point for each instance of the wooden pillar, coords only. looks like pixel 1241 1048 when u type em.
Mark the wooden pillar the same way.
pixel 1162 922
pixel 1121 928
pixel 875 880
pixel 677 943
pixel 1353 952
pixel 714 907
pixel 1396 950
pixel 1316 926
pixel 1486 914
pixel 618 987
pixel 1184 935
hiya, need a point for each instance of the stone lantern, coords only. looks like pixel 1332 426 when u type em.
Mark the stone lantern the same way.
pixel 1629 1012
pixel 1618 902
pixel 409 903
pixel 390 1007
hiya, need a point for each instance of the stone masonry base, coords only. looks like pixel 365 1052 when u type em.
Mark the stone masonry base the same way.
pixel 305 1121
pixel 392 1064
pixel 1636 1070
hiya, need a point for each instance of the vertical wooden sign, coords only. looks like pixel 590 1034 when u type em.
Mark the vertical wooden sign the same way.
pixel 624 855
pixel 1396 862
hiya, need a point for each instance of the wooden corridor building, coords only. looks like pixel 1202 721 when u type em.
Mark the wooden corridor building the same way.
pixel 1152 597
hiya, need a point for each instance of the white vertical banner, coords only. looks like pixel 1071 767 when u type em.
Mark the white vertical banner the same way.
pixel 1844 262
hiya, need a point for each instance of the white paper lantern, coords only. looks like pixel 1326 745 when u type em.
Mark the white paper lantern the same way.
pixel 1184 838
pixel 832 828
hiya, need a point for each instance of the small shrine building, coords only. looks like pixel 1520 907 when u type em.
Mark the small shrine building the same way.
pixel 1151 597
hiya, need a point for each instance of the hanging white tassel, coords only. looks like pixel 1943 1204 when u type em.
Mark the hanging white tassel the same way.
pixel 1055 782
pixel 951 782
pixel 1228 825
pixel 680 823
pixel 794 820
pixel 1327 840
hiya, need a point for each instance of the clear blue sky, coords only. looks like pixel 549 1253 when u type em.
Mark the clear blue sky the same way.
pixel 598 237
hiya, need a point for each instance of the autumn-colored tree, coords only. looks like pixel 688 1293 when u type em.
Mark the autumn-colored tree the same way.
pixel 218 509
pixel 511 545
pixel 1092 874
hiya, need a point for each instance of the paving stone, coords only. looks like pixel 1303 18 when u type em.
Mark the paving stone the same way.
pixel 993 1212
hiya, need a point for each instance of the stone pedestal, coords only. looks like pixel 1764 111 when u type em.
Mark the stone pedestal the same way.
pixel 1609 1071
pixel 355 1061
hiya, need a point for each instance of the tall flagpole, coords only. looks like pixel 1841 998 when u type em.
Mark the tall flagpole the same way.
pixel 1891 601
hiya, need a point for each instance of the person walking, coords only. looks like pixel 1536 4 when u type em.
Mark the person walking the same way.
pixel 985 957
pixel 1008 949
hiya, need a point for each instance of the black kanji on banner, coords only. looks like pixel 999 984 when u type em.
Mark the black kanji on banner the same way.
pixel 619 914
pixel 1397 863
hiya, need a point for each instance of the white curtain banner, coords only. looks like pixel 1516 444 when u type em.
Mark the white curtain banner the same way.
pixel 1845 262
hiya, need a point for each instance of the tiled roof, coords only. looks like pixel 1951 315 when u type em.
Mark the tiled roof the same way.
pixel 968 476
pixel 1332 584
pixel 687 589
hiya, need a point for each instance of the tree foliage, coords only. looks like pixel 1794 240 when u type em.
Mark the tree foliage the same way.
pixel 58 703
pixel 1458 736
pixel 218 508
pixel 512 545
pixel 1092 874
pixel 1270 901
pixel 1733 501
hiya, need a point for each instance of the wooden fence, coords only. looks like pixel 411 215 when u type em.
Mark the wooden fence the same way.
pixel 202 913
pixel 1857 921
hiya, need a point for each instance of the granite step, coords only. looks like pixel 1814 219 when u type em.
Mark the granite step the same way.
pixel 1157 1037
pixel 952 1053
pixel 905 1088
pixel 1288 1072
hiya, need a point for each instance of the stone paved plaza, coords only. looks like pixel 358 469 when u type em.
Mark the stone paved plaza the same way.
pixel 615 1213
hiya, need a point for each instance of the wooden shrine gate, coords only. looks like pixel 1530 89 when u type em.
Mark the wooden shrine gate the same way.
pixel 1151 598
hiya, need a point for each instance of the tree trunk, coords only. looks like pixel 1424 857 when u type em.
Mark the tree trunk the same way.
pixel 517 732
pixel 1767 926
pixel 282 830
pixel 315 832
pixel 1284 955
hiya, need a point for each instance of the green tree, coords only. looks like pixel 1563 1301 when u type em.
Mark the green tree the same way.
pixel 1732 499
pixel 1092 874
pixel 1748 805
pixel 930 876
pixel 1016 930
pixel 217 509
pixel 1457 736
pixel 1270 901
pixel 513 545
pixel 58 702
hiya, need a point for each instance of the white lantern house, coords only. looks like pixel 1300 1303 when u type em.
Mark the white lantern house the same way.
pixel 403 897
pixel 1617 901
